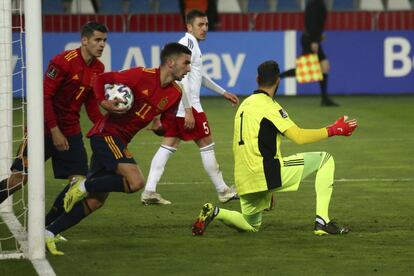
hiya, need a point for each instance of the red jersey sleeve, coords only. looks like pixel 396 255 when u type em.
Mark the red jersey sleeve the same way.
pixel 54 77
pixel 128 77
pixel 92 108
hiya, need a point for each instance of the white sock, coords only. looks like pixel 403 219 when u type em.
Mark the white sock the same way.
pixel 208 157
pixel 157 167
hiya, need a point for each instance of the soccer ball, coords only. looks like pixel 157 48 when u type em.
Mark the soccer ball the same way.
pixel 122 92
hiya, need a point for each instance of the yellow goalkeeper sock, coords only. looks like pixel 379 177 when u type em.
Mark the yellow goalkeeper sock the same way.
pixel 324 186
pixel 235 220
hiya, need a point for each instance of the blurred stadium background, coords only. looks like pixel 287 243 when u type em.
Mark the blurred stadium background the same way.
pixel 235 15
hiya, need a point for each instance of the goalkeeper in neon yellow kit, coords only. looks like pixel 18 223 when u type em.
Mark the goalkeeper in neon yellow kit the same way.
pixel 260 169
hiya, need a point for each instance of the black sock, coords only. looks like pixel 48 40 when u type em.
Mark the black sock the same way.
pixel 324 87
pixel 57 208
pixel 288 73
pixel 67 220
pixel 4 193
pixel 107 183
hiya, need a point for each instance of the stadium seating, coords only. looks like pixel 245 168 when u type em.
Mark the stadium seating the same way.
pixel 141 6
pixel 288 5
pixel 131 6
pixel 110 7
pixel 225 6
pixel 343 5
pixel 396 5
pixel 371 5
pixel 258 6
pixel 52 7
pixel 82 7
pixel 168 6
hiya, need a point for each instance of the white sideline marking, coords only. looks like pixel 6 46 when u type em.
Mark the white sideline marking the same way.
pixel 42 266
pixel 336 180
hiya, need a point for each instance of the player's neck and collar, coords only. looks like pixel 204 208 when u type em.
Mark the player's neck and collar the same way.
pixel 192 36
pixel 87 58
pixel 164 77
pixel 268 91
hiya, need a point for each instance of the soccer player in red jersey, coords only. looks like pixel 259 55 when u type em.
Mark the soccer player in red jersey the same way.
pixel 113 168
pixel 68 84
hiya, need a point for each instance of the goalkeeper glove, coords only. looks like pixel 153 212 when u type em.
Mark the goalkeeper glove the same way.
pixel 342 126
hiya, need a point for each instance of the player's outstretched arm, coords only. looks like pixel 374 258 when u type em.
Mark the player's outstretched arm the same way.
pixel 342 126
pixel 210 84
pixel 302 136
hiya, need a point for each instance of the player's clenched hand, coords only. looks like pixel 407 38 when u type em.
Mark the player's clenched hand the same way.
pixel 231 97
pixel 113 107
pixel 342 126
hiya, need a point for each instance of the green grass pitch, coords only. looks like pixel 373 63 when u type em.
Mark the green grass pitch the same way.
pixel 373 195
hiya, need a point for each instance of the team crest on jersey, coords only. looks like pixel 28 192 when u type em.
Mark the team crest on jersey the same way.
pixel 52 72
pixel 162 103
pixel 283 113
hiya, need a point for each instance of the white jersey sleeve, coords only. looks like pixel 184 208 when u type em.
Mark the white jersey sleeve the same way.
pixel 212 85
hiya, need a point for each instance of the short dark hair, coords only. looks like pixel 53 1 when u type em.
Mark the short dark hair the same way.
pixel 192 15
pixel 268 73
pixel 88 29
pixel 171 49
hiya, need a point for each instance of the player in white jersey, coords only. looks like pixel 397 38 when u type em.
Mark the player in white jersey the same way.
pixel 190 122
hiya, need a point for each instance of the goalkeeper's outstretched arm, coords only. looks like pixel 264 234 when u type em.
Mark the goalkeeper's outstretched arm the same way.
pixel 342 126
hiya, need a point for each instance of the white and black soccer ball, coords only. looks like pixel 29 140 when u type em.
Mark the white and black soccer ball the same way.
pixel 122 92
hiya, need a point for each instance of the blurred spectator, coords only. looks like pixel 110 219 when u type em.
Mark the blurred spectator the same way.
pixel 207 6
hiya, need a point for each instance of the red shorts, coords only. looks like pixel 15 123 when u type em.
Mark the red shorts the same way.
pixel 174 127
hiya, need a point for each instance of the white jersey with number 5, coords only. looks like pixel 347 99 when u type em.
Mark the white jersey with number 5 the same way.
pixel 195 78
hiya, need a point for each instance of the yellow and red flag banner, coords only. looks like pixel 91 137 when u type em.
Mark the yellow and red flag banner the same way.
pixel 308 69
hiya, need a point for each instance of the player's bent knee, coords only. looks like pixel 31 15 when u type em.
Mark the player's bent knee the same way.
pixel 327 158
pixel 135 185
pixel 255 221
pixel 94 201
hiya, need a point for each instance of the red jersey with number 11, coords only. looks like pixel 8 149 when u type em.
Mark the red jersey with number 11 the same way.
pixel 150 100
